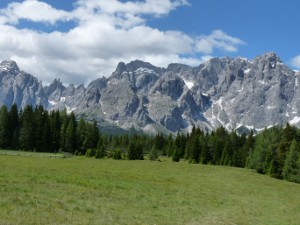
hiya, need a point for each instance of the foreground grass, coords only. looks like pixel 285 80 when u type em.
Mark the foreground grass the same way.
pixel 31 154
pixel 89 191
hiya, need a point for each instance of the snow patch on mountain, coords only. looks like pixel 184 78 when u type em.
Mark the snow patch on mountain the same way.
pixel 246 71
pixel 295 120
pixel 189 84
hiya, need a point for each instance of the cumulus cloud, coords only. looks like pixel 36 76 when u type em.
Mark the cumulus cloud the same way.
pixel 105 33
pixel 296 62
pixel 218 40
pixel 33 10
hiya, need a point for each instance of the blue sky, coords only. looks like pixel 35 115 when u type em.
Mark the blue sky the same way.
pixel 82 40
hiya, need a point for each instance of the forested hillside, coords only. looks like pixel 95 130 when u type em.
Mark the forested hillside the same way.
pixel 274 151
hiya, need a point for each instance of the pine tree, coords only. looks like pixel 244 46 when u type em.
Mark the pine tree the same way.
pixel 153 154
pixel 204 156
pixel 248 147
pixel 55 126
pixel 81 137
pixel 131 151
pixel 288 135
pixel 265 144
pixel 176 155
pixel 225 154
pixel 4 128
pixel 135 150
pixel 89 153
pixel 26 138
pixel 195 150
pixel 46 135
pixel 95 135
pixel 117 154
pixel 39 120
pixel 14 127
pixel 291 169
pixel 70 142
pixel 100 152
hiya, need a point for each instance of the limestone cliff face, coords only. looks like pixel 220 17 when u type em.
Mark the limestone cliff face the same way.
pixel 232 92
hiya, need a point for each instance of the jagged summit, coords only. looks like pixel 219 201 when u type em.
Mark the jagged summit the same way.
pixel 270 57
pixel 9 66
pixel 230 92
pixel 136 65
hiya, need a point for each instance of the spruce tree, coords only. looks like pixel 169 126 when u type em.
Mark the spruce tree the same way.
pixel 14 127
pixel 55 126
pixel 39 120
pixel 195 150
pixel 100 152
pixel 176 155
pixel 135 150
pixel 153 154
pixel 291 169
pixel 288 135
pixel 4 128
pixel 27 135
pixel 46 135
pixel 95 134
pixel 117 154
pixel 70 142
pixel 81 136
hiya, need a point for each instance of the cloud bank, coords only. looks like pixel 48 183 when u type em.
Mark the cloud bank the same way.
pixel 296 62
pixel 105 33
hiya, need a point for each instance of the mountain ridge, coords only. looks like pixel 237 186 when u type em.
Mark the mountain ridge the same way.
pixel 229 92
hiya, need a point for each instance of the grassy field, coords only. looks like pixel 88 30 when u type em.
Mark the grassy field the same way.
pixel 78 190
pixel 31 154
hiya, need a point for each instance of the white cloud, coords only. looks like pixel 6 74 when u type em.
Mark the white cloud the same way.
pixel 296 62
pixel 106 33
pixel 218 40
pixel 154 7
pixel 35 11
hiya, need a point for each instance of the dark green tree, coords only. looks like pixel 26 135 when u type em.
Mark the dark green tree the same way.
pixel 81 137
pixel 27 135
pixel 153 154
pixel 288 135
pixel 195 149
pixel 14 127
pixel 39 121
pixel 55 126
pixel 117 154
pixel 70 143
pixel 291 169
pixel 176 154
pixel 135 150
pixel 46 135
pixel 4 128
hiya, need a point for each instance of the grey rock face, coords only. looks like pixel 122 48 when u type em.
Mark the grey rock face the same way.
pixel 19 87
pixel 233 92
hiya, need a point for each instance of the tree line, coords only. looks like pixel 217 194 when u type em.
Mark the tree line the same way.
pixel 274 151
pixel 42 131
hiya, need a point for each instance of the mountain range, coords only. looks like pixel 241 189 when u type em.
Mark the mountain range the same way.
pixel 236 93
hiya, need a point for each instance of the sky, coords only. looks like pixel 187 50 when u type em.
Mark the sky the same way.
pixel 82 40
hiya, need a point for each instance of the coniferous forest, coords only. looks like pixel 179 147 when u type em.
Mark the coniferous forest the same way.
pixel 274 152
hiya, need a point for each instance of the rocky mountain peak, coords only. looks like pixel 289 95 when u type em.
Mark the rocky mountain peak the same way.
pixel 177 67
pixel 9 66
pixel 120 68
pixel 229 92
pixel 269 57
pixel 137 66
pixel 56 85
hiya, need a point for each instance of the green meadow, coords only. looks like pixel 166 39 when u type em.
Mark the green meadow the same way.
pixel 79 190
